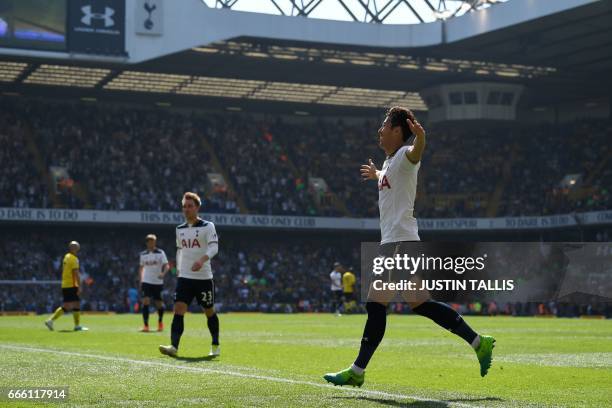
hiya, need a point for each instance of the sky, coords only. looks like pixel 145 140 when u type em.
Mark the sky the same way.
pixel 333 9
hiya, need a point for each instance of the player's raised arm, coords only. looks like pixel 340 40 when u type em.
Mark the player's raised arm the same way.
pixel 369 171
pixel 416 153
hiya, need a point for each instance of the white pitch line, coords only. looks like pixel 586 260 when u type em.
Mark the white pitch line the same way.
pixel 234 374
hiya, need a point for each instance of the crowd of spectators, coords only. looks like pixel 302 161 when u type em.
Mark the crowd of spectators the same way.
pixel 548 153
pixel 272 273
pixel 21 184
pixel 258 166
pixel 250 275
pixel 125 158
pixel 36 256
pixel 333 151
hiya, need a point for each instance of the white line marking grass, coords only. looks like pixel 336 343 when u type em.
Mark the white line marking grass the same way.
pixel 232 374
pixel 587 360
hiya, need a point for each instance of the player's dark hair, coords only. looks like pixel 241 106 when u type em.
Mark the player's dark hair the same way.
pixel 397 116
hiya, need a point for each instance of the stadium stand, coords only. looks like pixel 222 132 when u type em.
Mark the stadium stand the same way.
pixel 279 274
pixel 130 159
pixel 21 185
pixel 581 147
pixel 118 159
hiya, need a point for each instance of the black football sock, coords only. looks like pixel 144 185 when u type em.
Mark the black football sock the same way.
pixel 177 330
pixel 213 327
pixel 160 314
pixel 446 317
pixel 145 314
pixel 372 333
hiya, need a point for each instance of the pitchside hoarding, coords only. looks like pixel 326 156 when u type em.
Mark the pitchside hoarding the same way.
pixel 62 216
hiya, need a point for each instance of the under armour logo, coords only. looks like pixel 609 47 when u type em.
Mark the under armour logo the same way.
pixel 88 15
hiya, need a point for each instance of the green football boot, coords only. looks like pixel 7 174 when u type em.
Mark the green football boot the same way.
pixel 484 352
pixel 345 377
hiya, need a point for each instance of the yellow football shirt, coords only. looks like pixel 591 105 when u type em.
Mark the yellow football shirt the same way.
pixel 71 262
pixel 348 280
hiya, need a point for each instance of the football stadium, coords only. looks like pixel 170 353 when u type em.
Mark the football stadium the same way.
pixel 313 203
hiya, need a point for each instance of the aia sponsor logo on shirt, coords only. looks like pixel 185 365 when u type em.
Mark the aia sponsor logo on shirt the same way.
pixel 383 182
pixel 190 243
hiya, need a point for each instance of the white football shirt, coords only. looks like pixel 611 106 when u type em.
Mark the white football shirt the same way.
pixel 336 280
pixel 397 185
pixel 193 241
pixel 153 263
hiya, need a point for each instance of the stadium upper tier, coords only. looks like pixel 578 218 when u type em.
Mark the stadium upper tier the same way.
pixel 125 158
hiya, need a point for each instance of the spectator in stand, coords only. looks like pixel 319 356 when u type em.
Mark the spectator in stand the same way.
pixel 134 159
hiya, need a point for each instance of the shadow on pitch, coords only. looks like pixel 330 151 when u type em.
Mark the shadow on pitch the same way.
pixel 195 359
pixel 416 404
pixel 475 399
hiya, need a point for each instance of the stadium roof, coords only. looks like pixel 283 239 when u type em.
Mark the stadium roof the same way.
pixel 370 11
pixel 561 56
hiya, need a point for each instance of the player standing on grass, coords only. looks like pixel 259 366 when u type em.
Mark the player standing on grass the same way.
pixel 397 185
pixel 197 243
pixel 153 268
pixel 70 289
pixel 336 287
pixel 348 290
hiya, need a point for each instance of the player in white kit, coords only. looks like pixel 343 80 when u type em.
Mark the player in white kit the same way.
pixel 397 186
pixel 335 277
pixel 197 244
pixel 153 268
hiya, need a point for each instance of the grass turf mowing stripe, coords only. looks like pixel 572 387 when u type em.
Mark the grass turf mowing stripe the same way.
pixel 233 374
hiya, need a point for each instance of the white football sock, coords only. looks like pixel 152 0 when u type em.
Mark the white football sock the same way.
pixel 357 370
pixel 476 342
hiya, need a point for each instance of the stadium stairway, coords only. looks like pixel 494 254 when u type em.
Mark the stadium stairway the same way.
pixel 338 204
pixel 81 191
pixel 498 193
pixel 219 168
pixel 40 166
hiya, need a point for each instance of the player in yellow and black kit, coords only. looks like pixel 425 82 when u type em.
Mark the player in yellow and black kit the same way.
pixel 348 290
pixel 70 288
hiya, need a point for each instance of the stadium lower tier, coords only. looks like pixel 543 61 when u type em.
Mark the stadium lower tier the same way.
pixel 271 271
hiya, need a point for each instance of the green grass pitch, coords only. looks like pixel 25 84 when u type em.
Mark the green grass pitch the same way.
pixel 279 360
